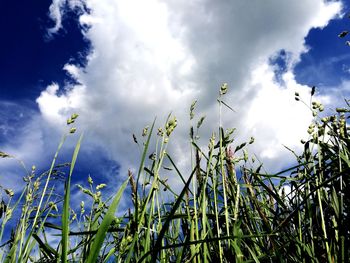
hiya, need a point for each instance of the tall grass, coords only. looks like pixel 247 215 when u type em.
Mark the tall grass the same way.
pixel 228 209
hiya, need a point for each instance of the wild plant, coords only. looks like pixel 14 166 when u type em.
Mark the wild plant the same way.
pixel 228 208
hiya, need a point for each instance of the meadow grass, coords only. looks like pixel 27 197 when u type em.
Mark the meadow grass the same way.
pixel 228 208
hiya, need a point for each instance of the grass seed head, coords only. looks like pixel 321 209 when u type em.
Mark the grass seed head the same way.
pixel 310 131
pixel 212 141
pixel 97 197
pixel 8 213
pixel 36 185
pixel 74 116
pixel 245 155
pixel 170 126
pixel 343 34
pixel 160 132
pixel 9 192
pixel 100 186
pixel 192 109
pixel 70 121
pixel 223 89
pixel 82 207
pixel 145 131
pixel 4 155
pixel 313 89
pixel 341 110
pixel 53 206
pixel 29 196
pixel 90 181
pixel 200 122
pixel 134 138
pixel 74 217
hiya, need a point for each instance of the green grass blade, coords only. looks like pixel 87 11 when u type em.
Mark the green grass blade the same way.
pixel 110 253
pixel 45 248
pixel 141 167
pixel 103 228
pixel 65 214
pixel 170 216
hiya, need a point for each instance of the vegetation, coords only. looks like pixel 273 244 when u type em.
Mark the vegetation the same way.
pixel 229 209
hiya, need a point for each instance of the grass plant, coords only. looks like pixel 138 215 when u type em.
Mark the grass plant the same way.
pixel 228 210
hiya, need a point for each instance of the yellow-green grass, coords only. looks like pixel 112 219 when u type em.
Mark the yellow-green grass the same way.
pixel 228 210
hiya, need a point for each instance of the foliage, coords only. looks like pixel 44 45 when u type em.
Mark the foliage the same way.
pixel 228 209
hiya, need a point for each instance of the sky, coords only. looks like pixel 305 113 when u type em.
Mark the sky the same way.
pixel 119 64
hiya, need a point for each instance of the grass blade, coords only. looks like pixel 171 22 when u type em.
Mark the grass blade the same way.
pixel 65 214
pixel 103 228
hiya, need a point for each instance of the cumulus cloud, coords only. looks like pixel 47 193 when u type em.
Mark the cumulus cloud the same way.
pixel 57 11
pixel 152 57
pixel 17 137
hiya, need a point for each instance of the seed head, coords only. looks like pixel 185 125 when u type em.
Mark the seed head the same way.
pixel 9 192
pixel 29 197
pixel 212 141
pixel 145 131
pixel 82 207
pixel 313 89
pixel 245 155
pixel 90 181
pixel 343 34
pixel 4 155
pixel 160 132
pixel 223 89
pixel 74 216
pixel 200 122
pixel 8 213
pixel 100 186
pixel 341 110
pixel 70 121
pixel 53 206
pixel 134 138
pixel 192 109
pixel 36 185
pixel 74 116
pixel 170 126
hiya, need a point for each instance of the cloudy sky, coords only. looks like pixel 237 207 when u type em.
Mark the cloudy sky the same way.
pixel 119 64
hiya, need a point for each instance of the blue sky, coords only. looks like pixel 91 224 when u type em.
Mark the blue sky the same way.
pixel 30 58
pixel 327 62
pixel 120 63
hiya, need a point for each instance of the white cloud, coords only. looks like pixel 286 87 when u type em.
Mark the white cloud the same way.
pixel 55 12
pixel 56 108
pixel 152 57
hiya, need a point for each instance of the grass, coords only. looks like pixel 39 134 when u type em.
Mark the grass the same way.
pixel 228 210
